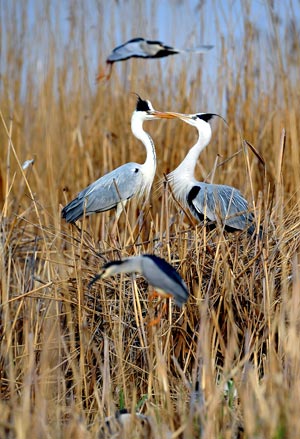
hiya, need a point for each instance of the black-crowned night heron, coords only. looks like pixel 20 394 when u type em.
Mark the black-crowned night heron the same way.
pixel 141 48
pixel 159 273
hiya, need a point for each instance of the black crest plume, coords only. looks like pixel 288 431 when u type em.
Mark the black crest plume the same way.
pixel 142 105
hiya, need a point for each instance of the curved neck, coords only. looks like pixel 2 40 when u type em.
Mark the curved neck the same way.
pixel 130 265
pixel 139 133
pixel 149 167
pixel 183 178
pixel 187 166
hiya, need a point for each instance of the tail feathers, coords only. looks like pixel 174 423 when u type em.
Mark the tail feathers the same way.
pixel 199 49
pixel 73 211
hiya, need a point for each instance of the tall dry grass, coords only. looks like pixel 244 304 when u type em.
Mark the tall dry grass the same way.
pixel 228 364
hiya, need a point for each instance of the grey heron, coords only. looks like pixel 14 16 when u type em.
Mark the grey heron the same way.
pixel 131 179
pixel 208 201
pixel 158 272
pixel 142 48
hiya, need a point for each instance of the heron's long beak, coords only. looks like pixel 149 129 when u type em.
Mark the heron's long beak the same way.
pixel 169 115
pixel 163 115
pixel 97 277
pixel 182 116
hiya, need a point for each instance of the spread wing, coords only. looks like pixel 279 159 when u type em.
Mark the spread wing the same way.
pixel 130 49
pixel 141 48
pixel 107 192
pixel 220 202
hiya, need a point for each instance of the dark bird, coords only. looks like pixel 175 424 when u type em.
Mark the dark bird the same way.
pixel 141 48
pixel 158 273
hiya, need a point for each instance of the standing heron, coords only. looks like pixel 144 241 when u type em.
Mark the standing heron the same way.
pixel 158 273
pixel 142 48
pixel 114 189
pixel 206 201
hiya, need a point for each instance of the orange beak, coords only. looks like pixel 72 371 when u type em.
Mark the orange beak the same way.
pixel 169 115
pixel 163 115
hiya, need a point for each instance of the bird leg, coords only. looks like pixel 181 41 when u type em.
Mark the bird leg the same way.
pixel 154 295
pixel 104 73
pixel 120 209
pixel 159 316
pixel 114 228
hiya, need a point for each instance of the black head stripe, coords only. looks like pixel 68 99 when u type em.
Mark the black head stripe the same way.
pixel 142 105
pixel 110 263
pixel 155 42
pixel 135 40
pixel 159 43
pixel 206 116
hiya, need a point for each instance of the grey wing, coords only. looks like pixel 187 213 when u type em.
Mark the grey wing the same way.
pixel 126 51
pixel 106 193
pixel 118 185
pixel 224 203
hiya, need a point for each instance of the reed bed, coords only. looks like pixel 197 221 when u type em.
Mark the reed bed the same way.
pixel 227 365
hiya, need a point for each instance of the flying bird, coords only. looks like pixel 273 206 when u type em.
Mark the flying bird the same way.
pixel 206 201
pixel 114 189
pixel 142 48
pixel 158 273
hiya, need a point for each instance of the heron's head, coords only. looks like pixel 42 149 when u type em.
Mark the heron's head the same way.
pixel 111 268
pixel 108 269
pixel 144 109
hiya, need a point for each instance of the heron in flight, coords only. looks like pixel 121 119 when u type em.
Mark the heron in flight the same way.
pixel 158 273
pixel 206 201
pixel 114 189
pixel 142 48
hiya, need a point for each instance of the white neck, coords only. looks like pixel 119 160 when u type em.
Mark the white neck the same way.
pixel 149 167
pixel 130 265
pixel 183 177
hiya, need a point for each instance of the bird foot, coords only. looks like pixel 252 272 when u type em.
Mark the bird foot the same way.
pixel 157 319
pixel 154 295
pixel 104 73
